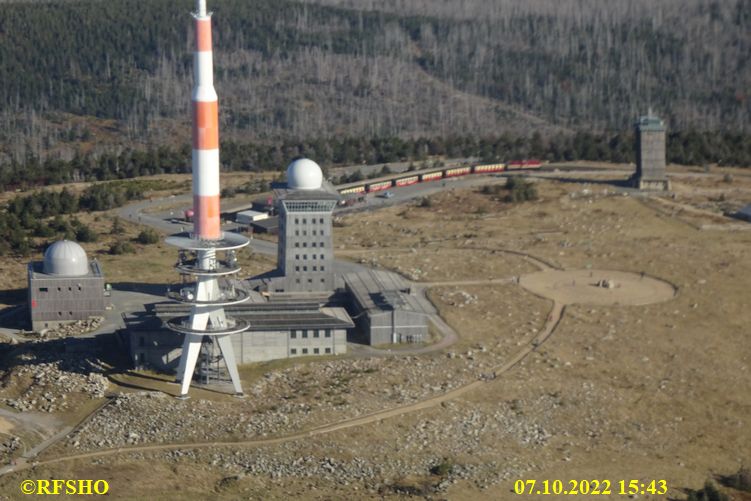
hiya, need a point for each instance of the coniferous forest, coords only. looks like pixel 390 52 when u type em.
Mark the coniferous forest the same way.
pixel 93 89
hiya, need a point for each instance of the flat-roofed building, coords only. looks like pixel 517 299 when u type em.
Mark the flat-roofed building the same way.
pixel 64 287
pixel 384 309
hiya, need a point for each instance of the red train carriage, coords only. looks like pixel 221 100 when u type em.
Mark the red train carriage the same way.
pixel 484 169
pixel 431 176
pixel 406 181
pixel 379 186
pixel 458 171
pixel 352 190
pixel 525 164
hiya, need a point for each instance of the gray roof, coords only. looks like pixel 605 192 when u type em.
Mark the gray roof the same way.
pixel 327 192
pixel 650 123
pixel 270 316
pixel 37 271
pixel 376 290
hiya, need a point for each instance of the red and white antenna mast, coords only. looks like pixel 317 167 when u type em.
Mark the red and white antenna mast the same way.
pixel 213 287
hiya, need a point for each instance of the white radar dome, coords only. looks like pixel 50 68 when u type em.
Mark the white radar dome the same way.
pixel 65 258
pixel 304 174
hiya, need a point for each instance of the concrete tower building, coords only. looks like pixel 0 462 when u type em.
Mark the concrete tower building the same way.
pixel 64 287
pixel 650 154
pixel 305 253
pixel 213 288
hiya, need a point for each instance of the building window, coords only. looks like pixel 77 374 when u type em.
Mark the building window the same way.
pixel 297 233
pixel 293 335
pixel 304 351
pixel 323 268
pixel 321 233
pixel 297 221
pixel 305 257
pixel 293 351
pixel 316 333
pixel 297 280
pixel 320 220
pixel 321 256
pixel 304 268
pixel 297 256
pixel 304 221
pixel 321 244
pixel 310 280
pixel 59 313
pixel 70 289
pixel 305 244
pixel 315 351
pixel 59 289
pixel 314 231
pixel 327 333
pixel 322 280
pixel 315 268
pixel 305 334
pixel 313 244
pixel 43 289
pixel 297 244
pixel 328 350
pixel 297 268
pixel 314 256
pixel 304 233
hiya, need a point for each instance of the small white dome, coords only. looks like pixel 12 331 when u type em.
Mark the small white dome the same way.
pixel 65 258
pixel 304 174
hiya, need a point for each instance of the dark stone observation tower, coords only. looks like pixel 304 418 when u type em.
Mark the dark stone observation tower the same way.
pixel 650 154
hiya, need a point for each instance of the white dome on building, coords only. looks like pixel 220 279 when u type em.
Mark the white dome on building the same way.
pixel 65 258
pixel 304 174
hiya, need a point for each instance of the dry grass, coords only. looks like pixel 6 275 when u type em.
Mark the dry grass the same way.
pixel 645 392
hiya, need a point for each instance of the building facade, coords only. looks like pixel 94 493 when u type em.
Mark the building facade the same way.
pixel 305 255
pixel 65 287
pixel 384 310
pixel 650 154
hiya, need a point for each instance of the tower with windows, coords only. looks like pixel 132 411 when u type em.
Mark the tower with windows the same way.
pixel 305 254
pixel 650 173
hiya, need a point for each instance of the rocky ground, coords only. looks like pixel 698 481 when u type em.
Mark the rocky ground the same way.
pixel 282 402
pixel 72 329
pixel 42 377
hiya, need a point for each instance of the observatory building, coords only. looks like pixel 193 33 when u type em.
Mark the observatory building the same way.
pixel 650 154
pixel 64 287
pixel 305 253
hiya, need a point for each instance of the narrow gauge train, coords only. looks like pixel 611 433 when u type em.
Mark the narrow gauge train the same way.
pixel 407 178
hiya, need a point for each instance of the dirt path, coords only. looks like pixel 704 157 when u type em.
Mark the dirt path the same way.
pixel 552 322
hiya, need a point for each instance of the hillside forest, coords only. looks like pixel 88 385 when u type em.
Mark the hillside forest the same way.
pixel 87 86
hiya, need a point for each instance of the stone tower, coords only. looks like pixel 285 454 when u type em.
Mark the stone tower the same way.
pixel 650 154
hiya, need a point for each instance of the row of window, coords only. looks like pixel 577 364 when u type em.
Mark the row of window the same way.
pixel 305 233
pixel 305 244
pixel 59 289
pixel 305 256
pixel 316 351
pixel 305 268
pixel 304 333
pixel 305 220
pixel 310 281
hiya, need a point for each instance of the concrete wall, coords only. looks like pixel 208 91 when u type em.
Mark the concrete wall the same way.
pixel 53 300
pixel 376 327
pixel 161 349
pixel 305 254
pixel 650 154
